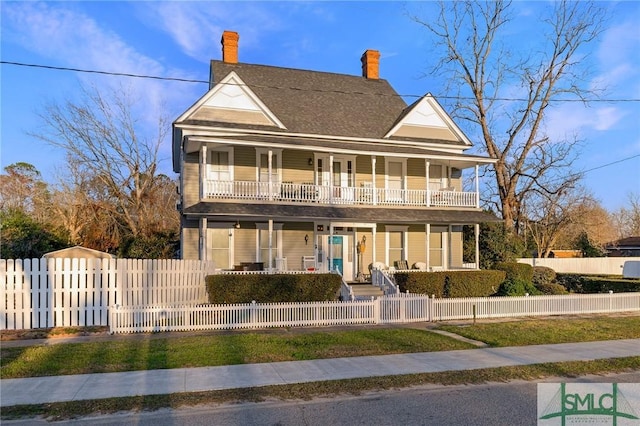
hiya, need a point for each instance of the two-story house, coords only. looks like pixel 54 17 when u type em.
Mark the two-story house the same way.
pixel 294 169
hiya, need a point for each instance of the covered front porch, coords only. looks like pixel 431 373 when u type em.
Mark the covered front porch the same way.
pixel 348 247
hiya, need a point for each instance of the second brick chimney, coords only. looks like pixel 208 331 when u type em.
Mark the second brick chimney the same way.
pixel 371 64
pixel 230 47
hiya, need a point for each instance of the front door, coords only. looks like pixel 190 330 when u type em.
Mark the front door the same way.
pixel 335 253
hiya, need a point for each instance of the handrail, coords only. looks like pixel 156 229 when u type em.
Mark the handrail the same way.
pixel 335 195
pixel 380 278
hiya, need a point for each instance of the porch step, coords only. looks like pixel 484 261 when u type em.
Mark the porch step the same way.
pixel 365 290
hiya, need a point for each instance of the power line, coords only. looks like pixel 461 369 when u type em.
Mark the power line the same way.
pixel 188 80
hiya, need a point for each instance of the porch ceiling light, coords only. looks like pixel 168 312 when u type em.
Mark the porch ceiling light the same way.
pixel 237 225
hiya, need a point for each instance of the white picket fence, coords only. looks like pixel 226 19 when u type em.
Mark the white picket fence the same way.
pixel 44 293
pixel 396 308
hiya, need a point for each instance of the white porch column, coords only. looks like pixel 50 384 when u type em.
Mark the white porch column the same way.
pixel 477 232
pixel 203 171
pixel 373 181
pixel 330 247
pixel 269 168
pixel 202 230
pixel 373 243
pixel 477 187
pixel 448 254
pixel 428 231
pixel 269 268
pixel 331 179
pixel 427 165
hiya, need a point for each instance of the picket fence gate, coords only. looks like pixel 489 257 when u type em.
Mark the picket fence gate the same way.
pixel 396 308
pixel 44 293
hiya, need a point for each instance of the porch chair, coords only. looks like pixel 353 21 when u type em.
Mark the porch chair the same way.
pixel 401 265
pixel 421 266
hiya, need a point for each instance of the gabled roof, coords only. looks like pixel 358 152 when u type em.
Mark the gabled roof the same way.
pixel 426 116
pixel 312 102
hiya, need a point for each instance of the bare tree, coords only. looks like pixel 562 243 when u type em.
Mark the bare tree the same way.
pixel 627 219
pixel 510 95
pixel 103 142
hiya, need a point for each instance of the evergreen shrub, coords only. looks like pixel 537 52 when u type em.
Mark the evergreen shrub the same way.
pixel 516 271
pixel 264 288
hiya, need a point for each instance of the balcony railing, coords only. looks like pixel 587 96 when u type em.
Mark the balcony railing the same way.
pixel 335 195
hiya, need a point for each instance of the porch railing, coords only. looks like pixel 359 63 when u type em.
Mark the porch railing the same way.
pixel 340 195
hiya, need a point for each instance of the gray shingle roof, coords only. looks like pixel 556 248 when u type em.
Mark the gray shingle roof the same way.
pixel 237 211
pixel 319 102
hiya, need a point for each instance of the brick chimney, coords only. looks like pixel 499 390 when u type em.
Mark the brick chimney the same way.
pixel 230 47
pixel 370 64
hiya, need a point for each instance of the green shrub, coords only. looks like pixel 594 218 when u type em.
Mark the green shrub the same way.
pixel 543 275
pixel 572 282
pixel 430 283
pixel 604 285
pixel 516 271
pixel 517 287
pixel 551 288
pixel 451 283
pixel 473 283
pixel 586 284
pixel 272 288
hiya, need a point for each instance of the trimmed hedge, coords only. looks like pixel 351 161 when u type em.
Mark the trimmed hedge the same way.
pixel 422 282
pixel 516 271
pixel 272 288
pixel 451 283
pixel 596 284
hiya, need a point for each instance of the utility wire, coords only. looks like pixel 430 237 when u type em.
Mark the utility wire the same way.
pixel 188 80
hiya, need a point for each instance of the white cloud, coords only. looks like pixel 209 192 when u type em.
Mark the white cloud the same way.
pixel 572 118
pixel 62 35
pixel 197 26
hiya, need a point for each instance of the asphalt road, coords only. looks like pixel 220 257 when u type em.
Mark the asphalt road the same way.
pixel 513 403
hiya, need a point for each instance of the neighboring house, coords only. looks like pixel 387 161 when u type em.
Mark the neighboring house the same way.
pixel 624 247
pixel 292 169
pixel 565 254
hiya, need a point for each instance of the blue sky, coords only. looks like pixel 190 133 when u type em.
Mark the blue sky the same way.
pixel 177 39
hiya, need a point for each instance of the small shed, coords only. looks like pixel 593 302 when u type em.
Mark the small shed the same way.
pixel 78 252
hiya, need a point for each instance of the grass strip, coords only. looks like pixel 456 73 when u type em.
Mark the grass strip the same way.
pixel 214 350
pixel 549 331
pixel 307 391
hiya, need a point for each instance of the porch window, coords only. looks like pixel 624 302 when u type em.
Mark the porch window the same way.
pixel 437 245
pixel 395 180
pixel 396 243
pixel 437 177
pixel 218 166
pixel 218 242
pixel 263 167
pixel 263 243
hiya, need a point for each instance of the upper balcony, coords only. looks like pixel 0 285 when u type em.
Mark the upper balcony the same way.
pixel 363 195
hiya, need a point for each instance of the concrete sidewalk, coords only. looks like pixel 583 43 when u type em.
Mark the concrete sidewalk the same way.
pixel 39 390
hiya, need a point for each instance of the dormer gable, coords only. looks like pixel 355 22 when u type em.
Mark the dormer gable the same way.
pixel 232 101
pixel 426 119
